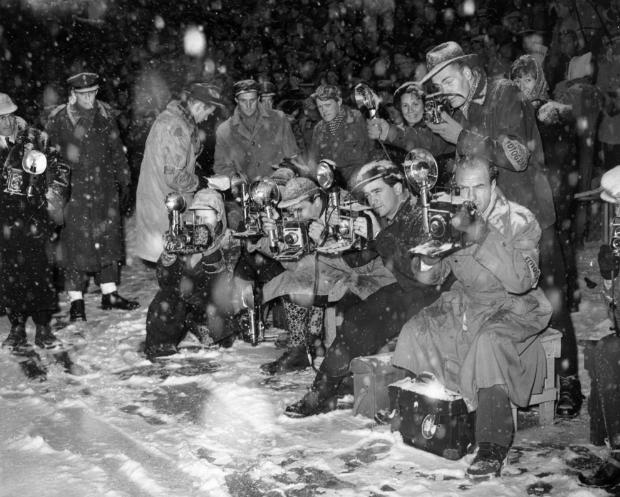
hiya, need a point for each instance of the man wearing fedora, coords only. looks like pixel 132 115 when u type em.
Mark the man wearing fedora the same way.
pixel 492 120
pixel 169 164
pixel 255 138
pixel 91 242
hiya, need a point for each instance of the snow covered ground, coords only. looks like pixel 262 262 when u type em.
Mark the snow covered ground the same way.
pixel 207 423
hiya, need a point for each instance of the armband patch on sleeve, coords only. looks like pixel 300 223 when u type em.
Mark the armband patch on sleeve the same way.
pixel 533 267
pixel 516 152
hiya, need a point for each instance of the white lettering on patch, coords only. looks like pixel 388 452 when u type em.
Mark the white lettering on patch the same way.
pixel 516 152
pixel 533 267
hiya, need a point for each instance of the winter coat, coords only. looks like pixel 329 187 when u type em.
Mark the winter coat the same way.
pixel 26 252
pixel 253 153
pixel 349 147
pixel 326 275
pixel 501 127
pixel 482 332
pixel 198 290
pixel 372 323
pixel 168 166
pixel 92 234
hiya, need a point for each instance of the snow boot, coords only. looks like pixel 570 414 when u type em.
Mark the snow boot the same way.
pixel 44 337
pixel 17 336
pixel 77 311
pixel 160 350
pixel 294 359
pixel 488 462
pixel 323 397
pixel 570 397
pixel 607 474
pixel 115 301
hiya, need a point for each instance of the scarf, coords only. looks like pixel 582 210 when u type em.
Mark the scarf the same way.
pixel 541 88
pixel 336 122
pixel 477 77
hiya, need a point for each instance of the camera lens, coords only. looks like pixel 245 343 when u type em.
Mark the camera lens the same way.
pixel 291 238
pixel 437 227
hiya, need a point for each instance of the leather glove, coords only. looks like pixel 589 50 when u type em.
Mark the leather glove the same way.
pixel 471 224
pixel 608 263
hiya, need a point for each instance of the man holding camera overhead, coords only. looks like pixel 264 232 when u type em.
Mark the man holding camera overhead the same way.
pixel 479 338
pixel 493 120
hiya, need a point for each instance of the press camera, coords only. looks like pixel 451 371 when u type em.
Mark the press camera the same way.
pixel 293 238
pixel 434 105
pixel 438 209
pixel 342 211
pixel 22 181
pixel 184 237
pixel 261 197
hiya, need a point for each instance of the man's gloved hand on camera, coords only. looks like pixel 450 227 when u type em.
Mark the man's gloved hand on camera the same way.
pixel 471 224
pixel 608 263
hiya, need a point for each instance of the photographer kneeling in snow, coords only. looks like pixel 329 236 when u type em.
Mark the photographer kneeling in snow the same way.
pixel 196 289
pixel 479 338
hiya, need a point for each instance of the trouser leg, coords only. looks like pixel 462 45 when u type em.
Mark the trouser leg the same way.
pixel 554 284
pixel 494 422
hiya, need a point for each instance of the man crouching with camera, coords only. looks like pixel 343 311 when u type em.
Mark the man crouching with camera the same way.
pixel 479 338
pixel 371 323
pixel 314 279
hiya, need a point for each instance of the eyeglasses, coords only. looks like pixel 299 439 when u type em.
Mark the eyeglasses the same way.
pixel 5 117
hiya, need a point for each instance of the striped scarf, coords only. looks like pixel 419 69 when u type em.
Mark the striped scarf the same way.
pixel 334 125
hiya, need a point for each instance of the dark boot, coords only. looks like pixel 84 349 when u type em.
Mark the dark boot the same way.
pixel 488 461
pixel 570 398
pixel 607 475
pixel 294 359
pixel 605 375
pixel 115 301
pixel 17 336
pixel 160 350
pixel 323 397
pixel 44 337
pixel 77 311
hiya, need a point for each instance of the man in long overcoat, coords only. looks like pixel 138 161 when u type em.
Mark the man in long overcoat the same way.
pixel 479 338
pixel 33 185
pixel 85 133
pixel 169 164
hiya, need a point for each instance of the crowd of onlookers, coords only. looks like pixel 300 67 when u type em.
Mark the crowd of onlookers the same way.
pixel 146 54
